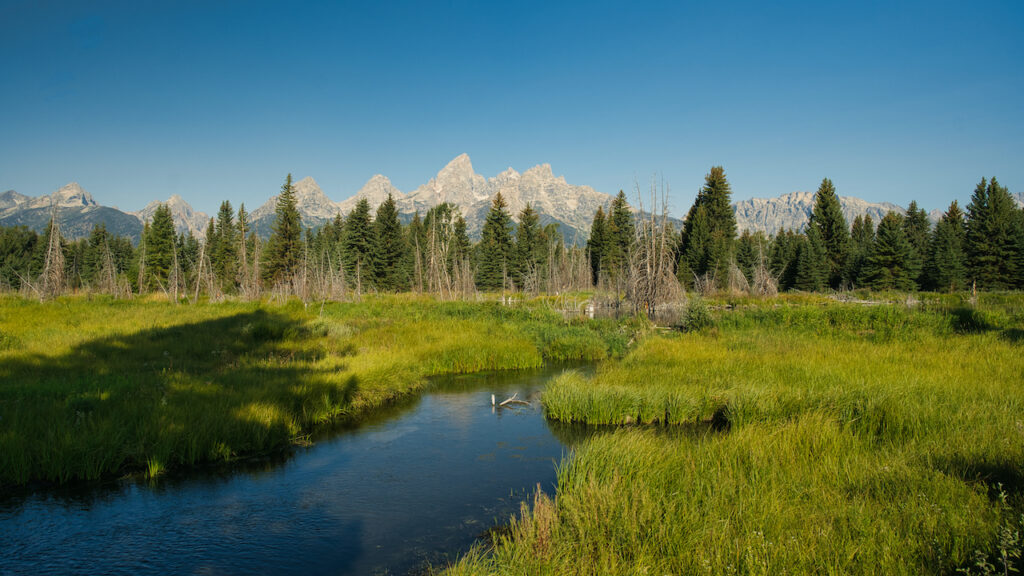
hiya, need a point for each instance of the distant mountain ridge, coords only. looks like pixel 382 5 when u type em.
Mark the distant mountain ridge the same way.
pixel 555 200
pixel 793 211
pixel 571 207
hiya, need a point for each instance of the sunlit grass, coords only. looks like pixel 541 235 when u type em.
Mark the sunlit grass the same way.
pixel 90 387
pixel 836 439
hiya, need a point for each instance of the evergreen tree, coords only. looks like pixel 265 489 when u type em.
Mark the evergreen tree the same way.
pixel 494 253
pixel 717 253
pixel 210 239
pixel 188 252
pixel 946 267
pixel 529 249
pixel 1019 248
pixel 97 247
pixel 17 246
pixel 830 225
pixel 623 218
pixel 392 248
pixel 461 246
pixel 225 251
pixel 417 257
pixel 784 250
pixel 695 257
pixel 747 254
pixel 284 248
pixel 811 262
pixel 597 244
pixel 862 238
pixel 917 229
pixel 618 234
pixel 991 237
pixel 360 244
pixel 160 246
pixel 891 263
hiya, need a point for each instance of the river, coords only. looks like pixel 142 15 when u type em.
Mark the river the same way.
pixel 413 486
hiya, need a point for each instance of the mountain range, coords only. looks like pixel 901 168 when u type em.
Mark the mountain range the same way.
pixel 571 207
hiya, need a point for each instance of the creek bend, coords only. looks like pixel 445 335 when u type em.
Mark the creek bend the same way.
pixel 412 486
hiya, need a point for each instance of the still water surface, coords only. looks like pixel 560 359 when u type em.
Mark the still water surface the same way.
pixel 416 485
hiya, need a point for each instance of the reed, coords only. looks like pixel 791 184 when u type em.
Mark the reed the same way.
pixel 816 437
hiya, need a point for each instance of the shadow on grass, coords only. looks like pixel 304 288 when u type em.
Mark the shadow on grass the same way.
pixel 167 396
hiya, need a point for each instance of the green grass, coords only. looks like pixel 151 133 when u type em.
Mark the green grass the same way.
pixel 93 387
pixel 853 440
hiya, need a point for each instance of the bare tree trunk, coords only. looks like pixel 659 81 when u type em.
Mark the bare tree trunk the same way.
pixel 52 280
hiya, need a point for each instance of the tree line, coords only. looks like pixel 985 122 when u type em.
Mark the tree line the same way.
pixel 981 247
pixel 640 257
pixel 363 251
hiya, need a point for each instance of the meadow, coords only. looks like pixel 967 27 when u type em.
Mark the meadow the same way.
pixel 94 387
pixel 795 435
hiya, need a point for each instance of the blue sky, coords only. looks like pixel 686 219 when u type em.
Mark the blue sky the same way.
pixel 139 100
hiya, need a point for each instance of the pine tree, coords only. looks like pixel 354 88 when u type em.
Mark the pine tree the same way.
pixel 494 253
pixel 918 230
pixel 991 238
pixel 827 219
pixel 160 248
pixel 224 255
pixel 624 229
pixel 462 248
pixel 360 245
pixel 392 248
pixel 891 263
pixel 862 238
pixel 284 248
pixel 597 244
pixel 529 248
pixel 946 267
pixel 97 247
pixel 720 248
pixel 812 265
pixel 695 254
pixel 747 254
pixel 619 232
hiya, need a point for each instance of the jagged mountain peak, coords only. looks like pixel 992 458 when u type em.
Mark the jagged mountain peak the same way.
pixel 306 185
pixel 71 195
pixel 541 171
pixel 508 174
pixel 460 167
pixel 186 219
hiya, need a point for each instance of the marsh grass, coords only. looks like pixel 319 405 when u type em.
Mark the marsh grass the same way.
pixel 854 440
pixel 97 386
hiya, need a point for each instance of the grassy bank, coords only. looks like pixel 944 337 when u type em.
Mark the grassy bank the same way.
pixel 852 440
pixel 92 387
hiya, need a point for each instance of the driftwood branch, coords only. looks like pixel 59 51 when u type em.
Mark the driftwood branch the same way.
pixel 513 400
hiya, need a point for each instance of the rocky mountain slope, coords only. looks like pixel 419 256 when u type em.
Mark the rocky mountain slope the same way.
pixel 77 213
pixel 792 211
pixel 186 219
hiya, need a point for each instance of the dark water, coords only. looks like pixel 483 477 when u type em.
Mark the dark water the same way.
pixel 416 486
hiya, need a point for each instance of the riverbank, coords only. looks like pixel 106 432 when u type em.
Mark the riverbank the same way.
pixel 848 439
pixel 93 387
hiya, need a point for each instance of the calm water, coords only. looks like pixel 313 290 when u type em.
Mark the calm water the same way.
pixel 417 485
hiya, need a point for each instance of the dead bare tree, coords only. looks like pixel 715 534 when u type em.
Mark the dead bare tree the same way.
pixel 52 277
pixel 765 282
pixel 650 276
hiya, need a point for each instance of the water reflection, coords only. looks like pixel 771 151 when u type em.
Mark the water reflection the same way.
pixel 415 484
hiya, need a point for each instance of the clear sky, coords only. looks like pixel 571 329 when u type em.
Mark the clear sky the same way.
pixel 218 100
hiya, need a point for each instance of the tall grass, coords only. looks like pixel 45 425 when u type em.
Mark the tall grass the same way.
pixel 853 440
pixel 91 387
